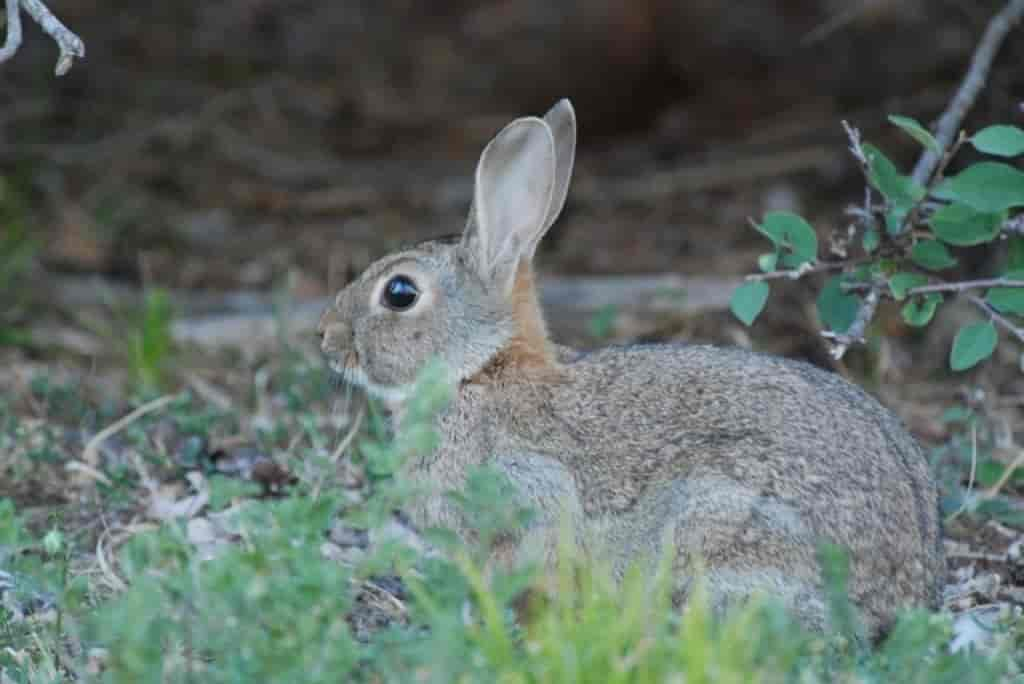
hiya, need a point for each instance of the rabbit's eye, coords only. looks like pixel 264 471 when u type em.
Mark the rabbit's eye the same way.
pixel 400 293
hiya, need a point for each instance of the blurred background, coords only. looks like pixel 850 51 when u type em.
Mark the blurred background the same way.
pixel 227 151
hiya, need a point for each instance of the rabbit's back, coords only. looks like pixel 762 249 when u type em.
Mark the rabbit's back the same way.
pixel 753 459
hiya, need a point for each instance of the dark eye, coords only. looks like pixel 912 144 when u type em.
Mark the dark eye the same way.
pixel 400 293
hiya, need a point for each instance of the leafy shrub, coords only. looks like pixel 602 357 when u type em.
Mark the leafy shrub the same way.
pixel 900 247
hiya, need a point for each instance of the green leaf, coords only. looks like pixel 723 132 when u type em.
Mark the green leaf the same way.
pixel 792 232
pixel 915 131
pixel 987 187
pixel 748 301
pixel 1015 253
pixel 837 309
pixel 900 190
pixel 768 262
pixel 895 217
pixel 932 254
pixel 960 225
pixel 1008 300
pixel 920 309
pixel 973 344
pixel 871 240
pixel 1002 141
pixel 602 324
pixel 901 282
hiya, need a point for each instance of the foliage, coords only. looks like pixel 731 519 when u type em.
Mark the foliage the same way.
pixel 148 341
pixel 271 607
pixel 17 250
pixel 908 238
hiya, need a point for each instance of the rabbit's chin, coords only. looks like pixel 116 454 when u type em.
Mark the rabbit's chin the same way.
pixel 354 375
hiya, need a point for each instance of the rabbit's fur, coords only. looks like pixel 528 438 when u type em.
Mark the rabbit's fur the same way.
pixel 745 462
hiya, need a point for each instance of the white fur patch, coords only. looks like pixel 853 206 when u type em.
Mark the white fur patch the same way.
pixel 357 376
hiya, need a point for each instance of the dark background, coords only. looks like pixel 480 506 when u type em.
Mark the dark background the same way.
pixel 249 145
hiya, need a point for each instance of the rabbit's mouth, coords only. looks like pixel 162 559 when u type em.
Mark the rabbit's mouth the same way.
pixel 346 367
pixel 351 373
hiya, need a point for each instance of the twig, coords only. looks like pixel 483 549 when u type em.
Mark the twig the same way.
pixel 836 22
pixel 91 453
pixel 71 46
pixel 997 317
pixel 1005 477
pixel 1014 225
pixel 799 272
pixel 13 40
pixel 949 123
pixel 841 342
pixel 856 148
pixel 965 285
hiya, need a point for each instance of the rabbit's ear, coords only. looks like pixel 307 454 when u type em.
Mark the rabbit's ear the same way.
pixel 562 120
pixel 515 180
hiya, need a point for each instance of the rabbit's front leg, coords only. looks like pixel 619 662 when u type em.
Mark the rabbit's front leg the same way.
pixel 546 486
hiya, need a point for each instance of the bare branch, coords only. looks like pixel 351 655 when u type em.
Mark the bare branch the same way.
pixel 13 40
pixel 855 146
pixel 949 123
pixel 71 46
pixel 965 285
pixel 841 342
pixel 997 317
pixel 799 272
pixel 1014 225
pixel 955 287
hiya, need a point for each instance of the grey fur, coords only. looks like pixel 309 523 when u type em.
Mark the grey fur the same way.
pixel 744 462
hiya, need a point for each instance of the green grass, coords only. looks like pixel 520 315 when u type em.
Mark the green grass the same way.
pixel 265 604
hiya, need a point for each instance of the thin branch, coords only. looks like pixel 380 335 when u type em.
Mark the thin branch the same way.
pixel 13 40
pixel 855 146
pixel 965 285
pixel 841 342
pixel 956 287
pixel 71 46
pixel 799 272
pixel 1014 225
pixel 981 62
pixel 997 318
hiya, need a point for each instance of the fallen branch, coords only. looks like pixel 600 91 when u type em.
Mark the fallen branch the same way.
pixel 71 46
pixel 247 319
pixel 90 455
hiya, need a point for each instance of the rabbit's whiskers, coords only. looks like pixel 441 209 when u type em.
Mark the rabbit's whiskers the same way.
pixel 352 374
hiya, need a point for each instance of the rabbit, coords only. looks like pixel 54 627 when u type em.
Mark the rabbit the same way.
pixel 742 461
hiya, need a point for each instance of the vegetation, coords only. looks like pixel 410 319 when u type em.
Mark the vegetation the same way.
pixel 901 246
pixel 248 588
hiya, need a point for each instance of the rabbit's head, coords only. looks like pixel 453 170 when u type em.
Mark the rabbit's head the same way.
pixel 466 299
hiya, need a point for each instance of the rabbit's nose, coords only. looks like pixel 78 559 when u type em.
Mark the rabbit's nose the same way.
pixel 327 318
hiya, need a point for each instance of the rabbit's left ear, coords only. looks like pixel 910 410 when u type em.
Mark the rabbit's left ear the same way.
pixel 512 199
pixel 561 119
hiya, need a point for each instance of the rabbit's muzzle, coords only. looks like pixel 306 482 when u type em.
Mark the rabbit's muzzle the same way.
pixel 336 341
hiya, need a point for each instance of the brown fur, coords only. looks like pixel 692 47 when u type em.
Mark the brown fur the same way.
pixel 530 352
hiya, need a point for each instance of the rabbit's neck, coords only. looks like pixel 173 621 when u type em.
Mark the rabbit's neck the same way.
pixel 529 351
